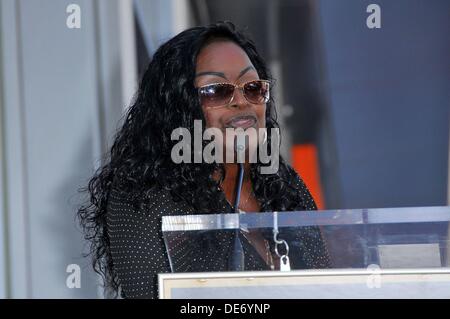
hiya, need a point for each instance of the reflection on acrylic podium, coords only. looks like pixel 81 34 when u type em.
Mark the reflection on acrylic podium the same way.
pixel 374 253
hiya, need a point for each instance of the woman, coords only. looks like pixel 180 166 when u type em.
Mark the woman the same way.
pixel 189 79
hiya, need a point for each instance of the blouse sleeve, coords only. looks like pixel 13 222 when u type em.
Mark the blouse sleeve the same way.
pixel 136 242
pixel 307 202
pixel 308 242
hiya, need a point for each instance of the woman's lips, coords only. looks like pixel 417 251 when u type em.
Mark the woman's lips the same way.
pixel 244 122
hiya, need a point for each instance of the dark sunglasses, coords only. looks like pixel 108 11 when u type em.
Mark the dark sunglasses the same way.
pixel 221 94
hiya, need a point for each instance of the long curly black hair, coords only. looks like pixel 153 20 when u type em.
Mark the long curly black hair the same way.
pixel 140 157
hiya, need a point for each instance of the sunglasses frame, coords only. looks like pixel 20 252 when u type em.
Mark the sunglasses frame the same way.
pixel 236 86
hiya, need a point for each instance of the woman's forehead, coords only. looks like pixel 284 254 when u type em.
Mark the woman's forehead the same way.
pixel 222 55
pixel 224 59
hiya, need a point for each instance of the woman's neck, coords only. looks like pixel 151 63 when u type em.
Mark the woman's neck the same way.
pixel 229 183
pixel 232 171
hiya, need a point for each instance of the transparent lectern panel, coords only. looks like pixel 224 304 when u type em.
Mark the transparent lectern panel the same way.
pixel 388 238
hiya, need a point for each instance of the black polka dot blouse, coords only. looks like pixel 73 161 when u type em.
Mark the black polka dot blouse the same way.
pixel 139 252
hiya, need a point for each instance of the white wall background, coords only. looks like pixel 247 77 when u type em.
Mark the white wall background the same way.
pixel 62 94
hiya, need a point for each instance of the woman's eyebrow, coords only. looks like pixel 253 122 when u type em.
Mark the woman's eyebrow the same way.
pixel 245 70
pixel 222 75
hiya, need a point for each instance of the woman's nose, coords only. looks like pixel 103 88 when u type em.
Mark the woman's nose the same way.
pixel 238 99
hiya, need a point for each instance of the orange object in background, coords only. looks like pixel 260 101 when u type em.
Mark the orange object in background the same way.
pixel 306 164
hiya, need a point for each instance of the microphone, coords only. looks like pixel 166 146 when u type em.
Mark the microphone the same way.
pixel 239 146
pixel 236 262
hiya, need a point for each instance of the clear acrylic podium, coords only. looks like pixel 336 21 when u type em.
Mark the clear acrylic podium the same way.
pixel 373 253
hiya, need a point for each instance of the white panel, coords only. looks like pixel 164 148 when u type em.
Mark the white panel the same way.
pixel 59 100
pixel 128 50
pixel 180 15
pixel 15 157
pixel 3 217
pixel 117 65
pixel 3 220
pixel 156 21
pixel 64 95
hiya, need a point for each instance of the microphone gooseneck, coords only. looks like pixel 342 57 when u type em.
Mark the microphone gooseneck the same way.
pixel 236 262
pixel 239 146
pixel 240 180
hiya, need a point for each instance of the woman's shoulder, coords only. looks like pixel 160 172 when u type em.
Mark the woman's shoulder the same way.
pixel 154 201
pixel 295 181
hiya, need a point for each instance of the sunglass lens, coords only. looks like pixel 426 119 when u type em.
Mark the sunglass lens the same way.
pixel 257 92
pixel 216 94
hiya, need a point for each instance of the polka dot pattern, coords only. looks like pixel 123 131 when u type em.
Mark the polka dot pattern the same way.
pixel 139 252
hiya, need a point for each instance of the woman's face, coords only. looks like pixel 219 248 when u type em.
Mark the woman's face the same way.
pixel 224 61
